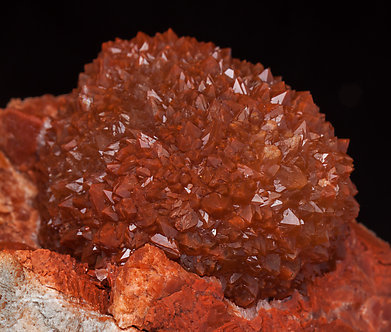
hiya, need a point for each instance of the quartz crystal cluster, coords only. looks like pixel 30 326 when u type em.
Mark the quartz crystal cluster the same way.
pixel 172 142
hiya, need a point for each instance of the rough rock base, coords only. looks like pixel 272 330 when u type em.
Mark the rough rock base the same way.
pixel 45 291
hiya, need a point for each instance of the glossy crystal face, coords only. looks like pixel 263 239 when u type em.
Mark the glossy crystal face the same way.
pixel 172 142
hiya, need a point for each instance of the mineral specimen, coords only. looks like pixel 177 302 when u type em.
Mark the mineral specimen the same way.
pixel 173 142
pixel 49 291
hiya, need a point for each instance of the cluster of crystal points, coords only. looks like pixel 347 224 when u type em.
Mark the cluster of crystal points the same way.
pixel 172 142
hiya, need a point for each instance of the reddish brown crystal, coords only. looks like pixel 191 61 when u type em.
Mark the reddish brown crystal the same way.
pixel 172 142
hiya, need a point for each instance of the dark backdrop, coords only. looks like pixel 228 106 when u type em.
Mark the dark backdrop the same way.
pixel 336 52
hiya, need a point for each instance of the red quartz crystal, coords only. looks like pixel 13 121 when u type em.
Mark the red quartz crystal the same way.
pixel 173 142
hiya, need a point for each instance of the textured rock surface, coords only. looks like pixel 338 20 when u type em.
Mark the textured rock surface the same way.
pixel 157 294
pixel 355 297
pixel 162 295
pixel 18 218
pixel 41 291
pixel 23 124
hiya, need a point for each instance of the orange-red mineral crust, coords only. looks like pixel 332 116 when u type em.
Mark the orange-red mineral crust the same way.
pixel 173 142
pixel 63 273
pixel 18 218
pixel 356 296
pixel 153 293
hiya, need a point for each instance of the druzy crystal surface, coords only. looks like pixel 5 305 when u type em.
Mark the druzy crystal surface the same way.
pixel 173 142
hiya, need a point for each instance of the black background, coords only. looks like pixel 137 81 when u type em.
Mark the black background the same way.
pixel 337 51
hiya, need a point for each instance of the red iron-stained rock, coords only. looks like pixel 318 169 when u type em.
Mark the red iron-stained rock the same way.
pixel 18 217
pixel 21 145
pixel 23 125
pixel 64 274
pixel 162 295
pixel 154 293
